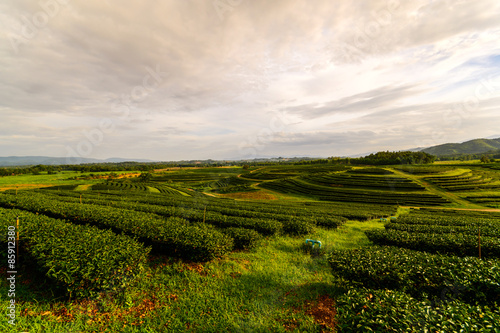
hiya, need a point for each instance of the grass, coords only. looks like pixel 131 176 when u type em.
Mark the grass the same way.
pixel 43 180
pixel 270 288
pixel 153 189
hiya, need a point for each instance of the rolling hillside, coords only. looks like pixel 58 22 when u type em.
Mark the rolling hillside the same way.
pixel 476 146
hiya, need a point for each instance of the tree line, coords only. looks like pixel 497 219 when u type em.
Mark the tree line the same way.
pixel 380 158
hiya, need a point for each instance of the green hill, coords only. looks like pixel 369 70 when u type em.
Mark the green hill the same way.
pixel 476 146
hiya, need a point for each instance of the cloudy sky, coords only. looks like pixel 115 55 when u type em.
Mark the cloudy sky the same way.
pixel 220 79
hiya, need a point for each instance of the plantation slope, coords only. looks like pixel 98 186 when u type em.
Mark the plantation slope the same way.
pixel 438 191
pixel 491 210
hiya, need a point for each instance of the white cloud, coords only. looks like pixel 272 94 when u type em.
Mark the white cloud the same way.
pixel 180 80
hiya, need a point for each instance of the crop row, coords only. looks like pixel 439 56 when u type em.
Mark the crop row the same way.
pixel 451 243
pixel 329 215
pixel 265 226
pixel 420 274
pixel 173 235
pixel 371 171
pixel 326 193
pixel 230 185
pixel 455 213
pixel 264 223
pixel 488 230
pixel 228 181
pixel 368 182
pixel 268 176
pixel 463 176
pixel 421 170
pixel 464 182
pixel 188 177
pixel 484 199
pixel 84 259
pixel 375 310
pixel 164 189
pixel 119 186
pixel 447 220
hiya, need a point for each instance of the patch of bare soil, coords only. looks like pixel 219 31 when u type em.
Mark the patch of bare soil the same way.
pixel 324 311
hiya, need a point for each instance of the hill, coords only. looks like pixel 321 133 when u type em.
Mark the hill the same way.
pixel 46 160
pixel 477 146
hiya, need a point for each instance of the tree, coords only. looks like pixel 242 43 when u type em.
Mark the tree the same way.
pixel 485 159
pixel 145 177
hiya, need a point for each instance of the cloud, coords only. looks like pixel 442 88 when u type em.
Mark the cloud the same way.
pixel 202 81
pixel 366 101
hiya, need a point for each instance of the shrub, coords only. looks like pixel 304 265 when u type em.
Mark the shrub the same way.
pixel 84 259
pixel 244 239
pixel 297 227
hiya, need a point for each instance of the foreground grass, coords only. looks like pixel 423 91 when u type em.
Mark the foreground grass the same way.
pixel 275 287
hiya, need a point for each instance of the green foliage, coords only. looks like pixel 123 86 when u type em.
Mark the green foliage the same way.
pixel 421 169
pixel 371 171
pixel 244 239
pixel 145 177
pixel 400 157
pixel 230 185
pixel 473 147
pixel 265 218
pixel 442 233
pixel 467 181
pixel 450 243
pixel 485 159
pixel 420 274
pixel 368 181
pixel 365 310
pixel 297 227
pixel 330 221
pixel 172 235
pixel 84 259
pixel 359 193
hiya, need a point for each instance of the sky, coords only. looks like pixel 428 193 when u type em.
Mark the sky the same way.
pixel 238 79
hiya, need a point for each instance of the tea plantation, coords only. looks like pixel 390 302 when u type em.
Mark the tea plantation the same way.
pixel 403 249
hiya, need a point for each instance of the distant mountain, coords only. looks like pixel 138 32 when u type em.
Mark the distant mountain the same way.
pixel 477 146
pixel 119 160
pixel 46 160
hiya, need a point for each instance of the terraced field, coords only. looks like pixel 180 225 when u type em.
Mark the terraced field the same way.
pixel 357 187
pixel 159 254
pixel 467 181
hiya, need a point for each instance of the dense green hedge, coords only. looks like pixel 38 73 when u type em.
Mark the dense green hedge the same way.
pixel 244 239
pixel 84 259
pixel 265 226
pixel 365 310
pixel 267 223
pixel 421 274
pixel 173 235
pixel 492 230
pixel 457 244
pixel 297 227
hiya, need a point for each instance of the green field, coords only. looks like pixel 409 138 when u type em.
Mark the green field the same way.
pixel 224 249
